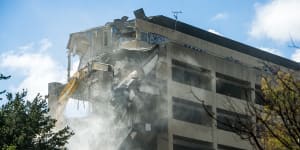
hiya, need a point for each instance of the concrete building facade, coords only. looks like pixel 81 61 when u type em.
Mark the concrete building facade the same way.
pixel 148 68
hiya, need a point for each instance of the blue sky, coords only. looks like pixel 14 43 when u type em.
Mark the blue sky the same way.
pixel 34 33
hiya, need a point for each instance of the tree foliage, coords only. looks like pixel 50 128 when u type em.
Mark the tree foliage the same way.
pixel 26 125
pixel 280 118
pixel 2 77
pixel 276 124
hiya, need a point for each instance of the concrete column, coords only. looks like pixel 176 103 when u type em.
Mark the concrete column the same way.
pixel 169 97
pixel 214 110
pixel 252 84
pixel 54 89
pixel 69 65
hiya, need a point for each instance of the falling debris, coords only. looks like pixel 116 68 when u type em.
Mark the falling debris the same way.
pixel 116 74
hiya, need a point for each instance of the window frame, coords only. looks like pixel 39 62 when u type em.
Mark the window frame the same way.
pixel 185 143
pixel 225 80
pixel 229 117
pixel 194 112
pixel 191 75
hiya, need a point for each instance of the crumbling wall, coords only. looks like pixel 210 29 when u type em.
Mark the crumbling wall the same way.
pixel 120 75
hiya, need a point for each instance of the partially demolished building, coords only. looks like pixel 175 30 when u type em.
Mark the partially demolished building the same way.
pixel 145 70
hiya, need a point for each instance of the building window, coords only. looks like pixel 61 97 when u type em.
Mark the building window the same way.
pixel 231 121
pixel 192 112
pixel 259 98
pixel 191 75
pixel 225 147
pixel 184 143
pixel 144 36
pixel 233 87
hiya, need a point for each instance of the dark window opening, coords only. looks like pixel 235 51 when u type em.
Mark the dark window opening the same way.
pixel 260 129
pixel 233 87
pixel 192 112
pixel 259 97
pixel 184 143
pixel 144 36
pixel 225 147
pixel 231 121
pixel 191 75
pixel 129 34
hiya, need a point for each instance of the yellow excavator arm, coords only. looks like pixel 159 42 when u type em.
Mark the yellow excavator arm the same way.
pixel 67 91
pixel 73 84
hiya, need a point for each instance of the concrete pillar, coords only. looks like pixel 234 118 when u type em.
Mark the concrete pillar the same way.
pixel 214 110
pixel 54 89
pixel 169 97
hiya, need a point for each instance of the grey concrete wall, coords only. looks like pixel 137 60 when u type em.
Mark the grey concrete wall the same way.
pixel 54 89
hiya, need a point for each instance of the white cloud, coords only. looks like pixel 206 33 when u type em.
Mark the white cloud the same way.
pixel 45 44
pixel 277 20
pixel 296 55
pixel 215 32
pixel 271 50
pixel 220 16
pixel 26 47
pixel 36 67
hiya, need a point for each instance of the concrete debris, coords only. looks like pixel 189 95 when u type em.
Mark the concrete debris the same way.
pixel 149 66
pixel 117 63
pixel 125 83
pixel 149 89
pixel 135 45
pixel 133 134
pixel 148 127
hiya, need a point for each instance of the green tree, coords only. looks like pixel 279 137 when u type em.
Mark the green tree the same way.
pixel 26 124
pixel 279 118
pixel 2 77
pixel 276 123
